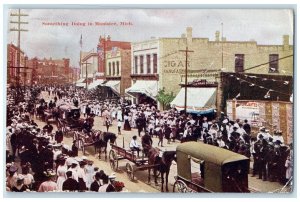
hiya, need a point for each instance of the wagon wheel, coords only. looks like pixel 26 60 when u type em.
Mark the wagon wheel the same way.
pixel 129 171
pixel 113 160
pixel 180 187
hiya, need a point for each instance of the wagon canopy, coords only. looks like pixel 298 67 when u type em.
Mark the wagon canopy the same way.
pixel 209 153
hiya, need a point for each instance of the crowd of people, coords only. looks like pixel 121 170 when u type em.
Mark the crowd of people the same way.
pixel 46 164
pixel 38 160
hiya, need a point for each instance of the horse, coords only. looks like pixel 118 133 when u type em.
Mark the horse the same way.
pixel 161 164
pixel 101 140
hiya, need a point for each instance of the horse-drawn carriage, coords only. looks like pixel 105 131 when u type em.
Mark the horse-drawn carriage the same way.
pixel 206 168
pixel 69 118
pixel 137 162
pixel 95 138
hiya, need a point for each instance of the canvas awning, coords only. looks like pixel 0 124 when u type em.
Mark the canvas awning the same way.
pixel 80 84
pixel 95 84
pixel 148 88
pixel 80 80
pixel 114 85
pixel 199 100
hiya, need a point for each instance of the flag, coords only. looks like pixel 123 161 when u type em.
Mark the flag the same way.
pixel 114 51
pixel 80 42
pixel 100 52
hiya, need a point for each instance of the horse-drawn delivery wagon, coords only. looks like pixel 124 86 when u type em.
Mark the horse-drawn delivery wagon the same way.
pixel 206 168
pixel 136 163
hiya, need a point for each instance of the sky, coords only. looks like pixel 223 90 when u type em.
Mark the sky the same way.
pixel 266 26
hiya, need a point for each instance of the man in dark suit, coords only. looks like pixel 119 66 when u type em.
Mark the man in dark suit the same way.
pixel 96 184
pixel 70 184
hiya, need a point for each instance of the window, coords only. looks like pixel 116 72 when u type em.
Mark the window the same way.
pixel 148 64
pixel 154 63
pixel 109 68
pixel 118 68
pixel 114 70
pixel 135 65
pixel 141 64
pixel 273 63
pixel 239 63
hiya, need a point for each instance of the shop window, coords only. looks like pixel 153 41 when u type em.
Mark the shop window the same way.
pixel 239 62
pixel 273 63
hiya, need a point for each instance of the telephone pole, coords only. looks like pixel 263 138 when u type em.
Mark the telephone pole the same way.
pixel 19 30
pixel 185 83
pixel 86 74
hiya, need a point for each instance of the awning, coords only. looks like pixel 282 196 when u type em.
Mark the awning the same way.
pixel 95 84
pixel 199 100
pixel 80 84
pixel 148 88
pixel 80 80
pixel 114 85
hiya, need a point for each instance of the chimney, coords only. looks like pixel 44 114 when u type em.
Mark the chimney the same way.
pixel 217 35
pixel 286 42
pixel 189 35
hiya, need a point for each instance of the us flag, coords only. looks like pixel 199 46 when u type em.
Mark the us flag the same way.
pixel 100 52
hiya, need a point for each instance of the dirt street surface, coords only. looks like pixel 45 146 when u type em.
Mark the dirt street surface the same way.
pixel 141 177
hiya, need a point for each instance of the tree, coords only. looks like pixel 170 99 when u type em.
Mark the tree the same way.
pixel 165 98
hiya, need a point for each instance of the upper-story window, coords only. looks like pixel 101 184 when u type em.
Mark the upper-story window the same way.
pixel 135 65
pixel 155 63
pixel 109 68
pixel 114 69
pixel 141 64
pixel 148 64
pixel 239 62
pixel 273 63
pixel 118 68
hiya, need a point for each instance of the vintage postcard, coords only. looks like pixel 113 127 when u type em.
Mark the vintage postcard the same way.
pixel 149 100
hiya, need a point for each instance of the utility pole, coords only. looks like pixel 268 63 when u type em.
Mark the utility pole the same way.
pixel 185 83
pixel 19 30
pixel 86 74
pixel 222 47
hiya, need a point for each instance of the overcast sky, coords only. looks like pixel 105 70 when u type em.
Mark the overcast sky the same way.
pixel 264 26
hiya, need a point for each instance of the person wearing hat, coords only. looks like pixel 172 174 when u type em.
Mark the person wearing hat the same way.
pixel 48 128
pixel 74 168
pixel 278 136
pixel 49 185
pixel 70 184
pixel 12 176
pixel 97 183
pixel 106 187
pixel 74 149
pixel 90 173
pixel 20 186
pixel 134 146
pixel 28 177
pixel 61 172
pixel 82 178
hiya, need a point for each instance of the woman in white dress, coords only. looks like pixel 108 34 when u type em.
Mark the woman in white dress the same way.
pixel 61 173
pixel 90 172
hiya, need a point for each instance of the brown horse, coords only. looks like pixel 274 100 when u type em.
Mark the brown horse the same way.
pixel 160 163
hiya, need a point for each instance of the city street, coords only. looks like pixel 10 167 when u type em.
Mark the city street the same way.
pixel 140 184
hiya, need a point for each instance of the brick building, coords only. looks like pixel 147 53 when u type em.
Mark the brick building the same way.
pixel 12 66
pixel 206 62
pixel 50 71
